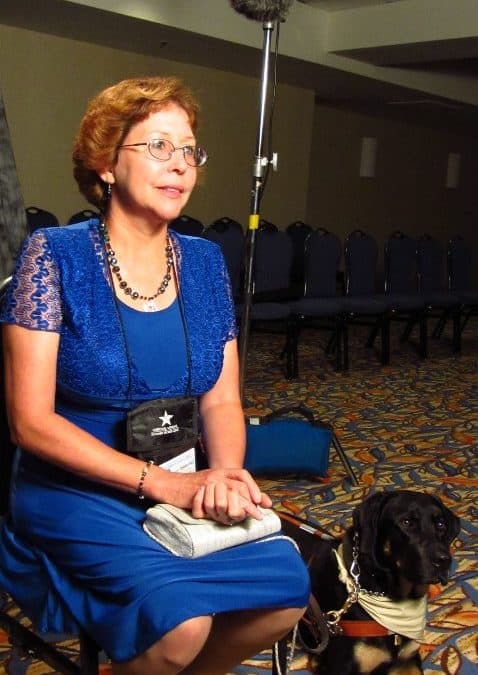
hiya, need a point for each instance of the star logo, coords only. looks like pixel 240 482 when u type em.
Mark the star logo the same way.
pixel 166 419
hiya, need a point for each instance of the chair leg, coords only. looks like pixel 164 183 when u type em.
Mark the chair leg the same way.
pixel 385 331
pixel 291 349
pixel 339 346
pixel 423 347
pixel 26 639
pixel 407 331
pixel 89 651
pixel 457 332
pixel 289 366
pixel 373 334
pixel 344 459
pixel 345 343
pixel 279 657
pixel 295 349
pixel 332 342
pixel 466 316
pixel 440 325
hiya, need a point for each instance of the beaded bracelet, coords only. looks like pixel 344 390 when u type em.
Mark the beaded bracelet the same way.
pixel 142 478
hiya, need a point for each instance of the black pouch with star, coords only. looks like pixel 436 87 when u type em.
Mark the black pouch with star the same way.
pixel 164 430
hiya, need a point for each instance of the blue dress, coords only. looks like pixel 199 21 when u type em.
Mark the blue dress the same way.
pixel 73 552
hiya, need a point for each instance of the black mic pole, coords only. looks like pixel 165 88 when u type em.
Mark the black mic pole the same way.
pixel 260 163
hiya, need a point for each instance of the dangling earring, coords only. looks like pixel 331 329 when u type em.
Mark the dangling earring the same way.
pixel 106 197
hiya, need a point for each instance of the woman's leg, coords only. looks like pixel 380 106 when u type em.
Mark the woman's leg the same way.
pixel 212 646
pixel 170 655
pixel 236 636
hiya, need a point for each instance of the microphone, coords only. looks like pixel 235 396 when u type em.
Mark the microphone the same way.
pixel 262 10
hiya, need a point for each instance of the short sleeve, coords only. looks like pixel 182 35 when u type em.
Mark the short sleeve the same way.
pixel 226 299
pixel 33 299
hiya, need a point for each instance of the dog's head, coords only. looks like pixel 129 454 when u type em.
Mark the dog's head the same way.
pixel 405 539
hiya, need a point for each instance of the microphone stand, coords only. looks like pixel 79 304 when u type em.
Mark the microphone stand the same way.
pixel 260 163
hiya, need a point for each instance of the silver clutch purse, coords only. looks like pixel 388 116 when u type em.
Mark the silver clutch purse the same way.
pixel 189 537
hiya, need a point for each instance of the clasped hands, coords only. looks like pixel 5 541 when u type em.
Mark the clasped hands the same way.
pixel 224 495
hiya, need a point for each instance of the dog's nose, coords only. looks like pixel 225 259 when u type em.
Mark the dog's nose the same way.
pixel 441 564
pixel 440 559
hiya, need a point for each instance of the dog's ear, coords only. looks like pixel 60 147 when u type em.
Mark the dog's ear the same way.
pixel 452 522
pixel 365 521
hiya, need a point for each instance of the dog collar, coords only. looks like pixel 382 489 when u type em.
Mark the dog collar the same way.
pixel 359 628
pixel 405 617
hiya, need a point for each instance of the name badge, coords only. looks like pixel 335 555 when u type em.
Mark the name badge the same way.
pixel 164 431
pixel 185 462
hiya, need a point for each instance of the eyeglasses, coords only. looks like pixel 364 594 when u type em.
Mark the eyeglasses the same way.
pixel 162 150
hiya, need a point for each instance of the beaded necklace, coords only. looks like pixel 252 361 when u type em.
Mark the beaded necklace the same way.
pixel 149 304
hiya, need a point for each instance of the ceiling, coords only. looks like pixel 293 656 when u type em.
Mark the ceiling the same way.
pixel 335 5
pixel 445 55
pixel 333 86
pixel 448 57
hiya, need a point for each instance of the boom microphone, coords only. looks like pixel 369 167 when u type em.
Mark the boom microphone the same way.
pixel 269 12
pixel 262 10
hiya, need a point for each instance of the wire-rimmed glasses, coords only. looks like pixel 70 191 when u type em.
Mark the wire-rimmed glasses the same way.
pixel 162 150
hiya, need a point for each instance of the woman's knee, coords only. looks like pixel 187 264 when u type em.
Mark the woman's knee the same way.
pixel 181 645
pixel 173 652
pixel 283 620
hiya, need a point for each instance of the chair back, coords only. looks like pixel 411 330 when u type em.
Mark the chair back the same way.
pixel 430 264
pixel 187 225
pixel 323 252
pixel 81 216
pixel 231 240
pixel 37 217
pixel 267 225
pixel 6 445
pixel 26 640
pixel 272 262
pixel 458 264
pixel 400 255
pixel 298 232
pixel 226 223
pixel 361 255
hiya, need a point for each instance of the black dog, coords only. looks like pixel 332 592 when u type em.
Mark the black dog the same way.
pixel 397 546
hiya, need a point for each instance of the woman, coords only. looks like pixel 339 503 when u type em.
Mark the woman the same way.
pixel 100 318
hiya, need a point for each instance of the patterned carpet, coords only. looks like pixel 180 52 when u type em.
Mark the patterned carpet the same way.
pixel 412 424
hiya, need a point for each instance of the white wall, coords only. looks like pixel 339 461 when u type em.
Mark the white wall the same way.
pixel 46 82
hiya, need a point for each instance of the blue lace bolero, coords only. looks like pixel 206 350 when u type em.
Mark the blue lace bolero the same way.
pixel 61 284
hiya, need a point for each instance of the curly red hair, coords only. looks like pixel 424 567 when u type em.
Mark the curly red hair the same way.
pixel 109 117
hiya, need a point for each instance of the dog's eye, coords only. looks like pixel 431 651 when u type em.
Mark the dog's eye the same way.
pixel 441 525
pixel 409 522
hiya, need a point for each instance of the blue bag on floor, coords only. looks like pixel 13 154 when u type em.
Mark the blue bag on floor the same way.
pixel 288 440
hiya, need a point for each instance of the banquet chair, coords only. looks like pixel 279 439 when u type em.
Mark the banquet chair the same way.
pixel 6 448
pixel 81 216
pixel 298 231
pixel 459 266
pixel 226 223
pixel 321 305
pixel 187 225
pixel 364 306
pixel 404 302
pixel 37 217
pixel 230 237
pixel 267 225
pixel 271 293
pixel 440 303
pixel 24 639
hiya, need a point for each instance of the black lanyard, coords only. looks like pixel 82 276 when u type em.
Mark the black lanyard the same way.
pixel 182 313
